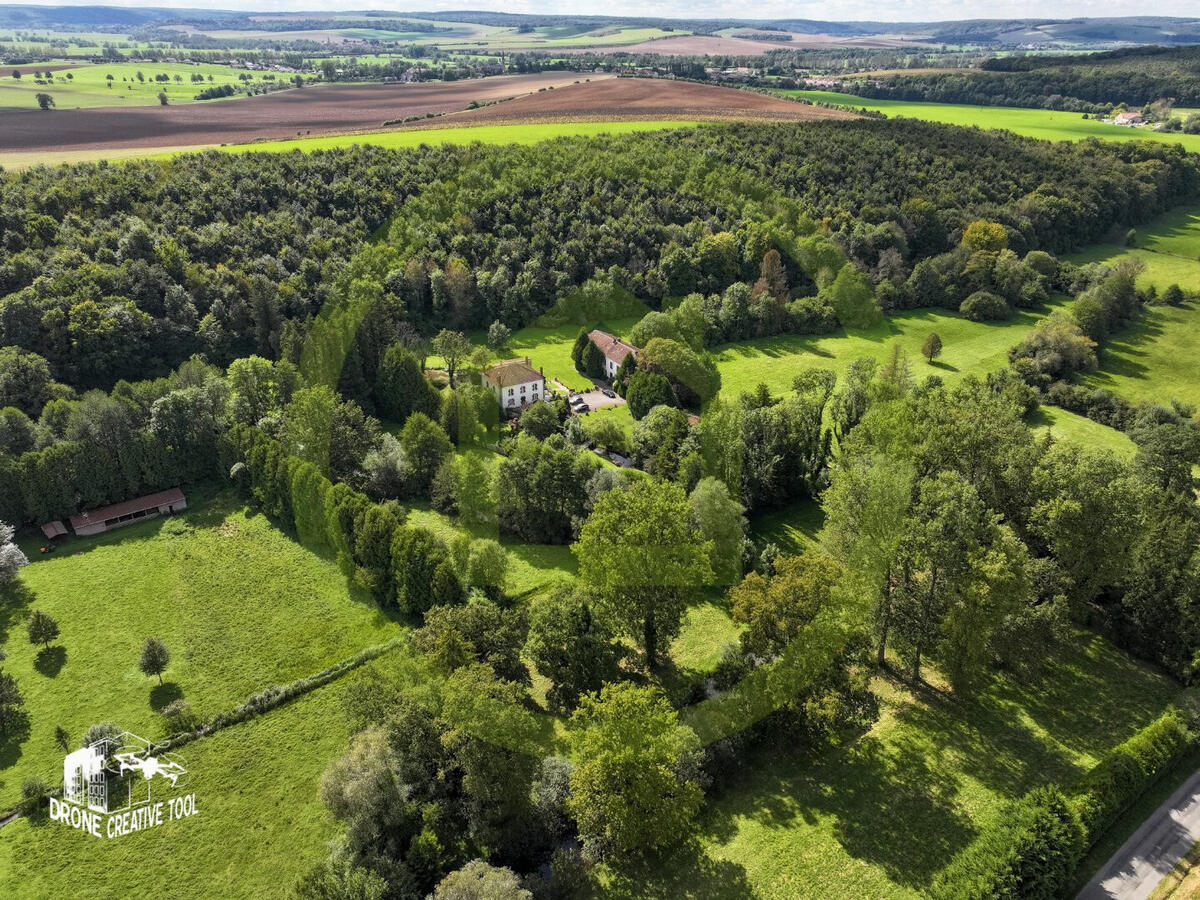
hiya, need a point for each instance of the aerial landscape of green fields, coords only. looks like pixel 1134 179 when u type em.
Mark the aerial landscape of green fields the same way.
pixel 551 454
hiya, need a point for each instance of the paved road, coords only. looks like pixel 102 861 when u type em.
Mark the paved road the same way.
pixel 1152 851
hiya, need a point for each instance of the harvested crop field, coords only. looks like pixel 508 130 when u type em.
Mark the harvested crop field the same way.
pixel 641 98
pixel 713 45
pixel 322 109
pixel 30 68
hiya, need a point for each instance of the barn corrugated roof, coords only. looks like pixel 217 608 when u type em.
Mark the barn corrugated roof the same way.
pixel 126 507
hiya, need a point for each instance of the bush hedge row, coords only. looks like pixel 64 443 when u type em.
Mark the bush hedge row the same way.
pixel 278 694
pixel 1121 777
pixel 1038 840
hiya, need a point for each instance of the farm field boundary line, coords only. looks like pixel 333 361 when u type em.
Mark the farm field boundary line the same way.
pixel 398 139
pixel 316 110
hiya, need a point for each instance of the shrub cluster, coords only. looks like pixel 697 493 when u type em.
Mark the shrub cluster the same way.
pixel 399 566
pixel 1035 844
pixel 1121 776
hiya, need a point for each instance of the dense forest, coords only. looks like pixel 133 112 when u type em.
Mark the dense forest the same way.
pixel 269 321
pixel 1083 83
pixel 117 271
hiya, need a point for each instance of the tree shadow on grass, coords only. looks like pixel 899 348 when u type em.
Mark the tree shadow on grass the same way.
pixel 50 660
pixel 687 872
pixel 162 695
pixel 880 794
pixel 16 734
pixel 1088 697
pixel 15 600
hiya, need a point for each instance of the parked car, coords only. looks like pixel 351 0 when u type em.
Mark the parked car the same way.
pixel 580 406
pixel 608 392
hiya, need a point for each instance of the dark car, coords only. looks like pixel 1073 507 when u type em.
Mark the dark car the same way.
pixel 608 392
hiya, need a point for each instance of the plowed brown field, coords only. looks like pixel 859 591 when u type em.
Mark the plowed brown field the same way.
pixel 639 98
pixel 321 109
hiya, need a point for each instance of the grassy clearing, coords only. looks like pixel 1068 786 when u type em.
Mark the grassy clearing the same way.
pixel 1068 426
pixel 531 567
pixel 549 349
pixel 260 822
pixel 969 348
pixel 793 529
pixel 240 605
pixel 1048 125
pixel 1151 361
pixel 87 85
pixel 842 823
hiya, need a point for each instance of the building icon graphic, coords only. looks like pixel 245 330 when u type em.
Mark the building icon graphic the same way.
pixel 104 775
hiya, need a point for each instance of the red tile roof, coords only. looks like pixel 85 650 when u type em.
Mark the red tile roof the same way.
pixel 612 347
pixel 126 507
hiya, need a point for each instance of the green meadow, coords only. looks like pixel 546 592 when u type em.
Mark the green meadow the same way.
pixel 968 348
pixel 239 603
pixel 1154 359
pixel 88 85
pixel 841 823
pixel 1048 125
pixel 260 822
pixel 392 140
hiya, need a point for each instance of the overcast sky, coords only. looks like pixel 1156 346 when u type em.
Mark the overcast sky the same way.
pixel 847 10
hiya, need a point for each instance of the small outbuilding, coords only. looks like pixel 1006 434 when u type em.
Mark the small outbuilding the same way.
pixel 55 529
pixel 162 503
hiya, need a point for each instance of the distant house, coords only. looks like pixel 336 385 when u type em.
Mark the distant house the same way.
pixel 516 383
pixel 162 503
pixel 613 349
pixel 1129 118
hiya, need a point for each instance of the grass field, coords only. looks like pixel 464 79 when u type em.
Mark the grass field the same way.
pixel 845 823
pixel 1045 124
pixel 1153 360
pixel 550 348
pixel 260 821
pixel 969 348
pixel 239 604
pixel 87 85
pixel 393 140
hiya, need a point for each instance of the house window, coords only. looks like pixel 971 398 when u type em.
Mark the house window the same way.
pixel 510 392
pixel 522 389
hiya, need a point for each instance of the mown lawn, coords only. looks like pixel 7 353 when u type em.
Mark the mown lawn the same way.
pixel 1153 360
pixel 1069 426
pixel 531 567
pixel 880 815
pixel 240 605
pixel 793 529
pixel 1044 124
pixel 549 349
pixel 260 822
pixel 968 348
